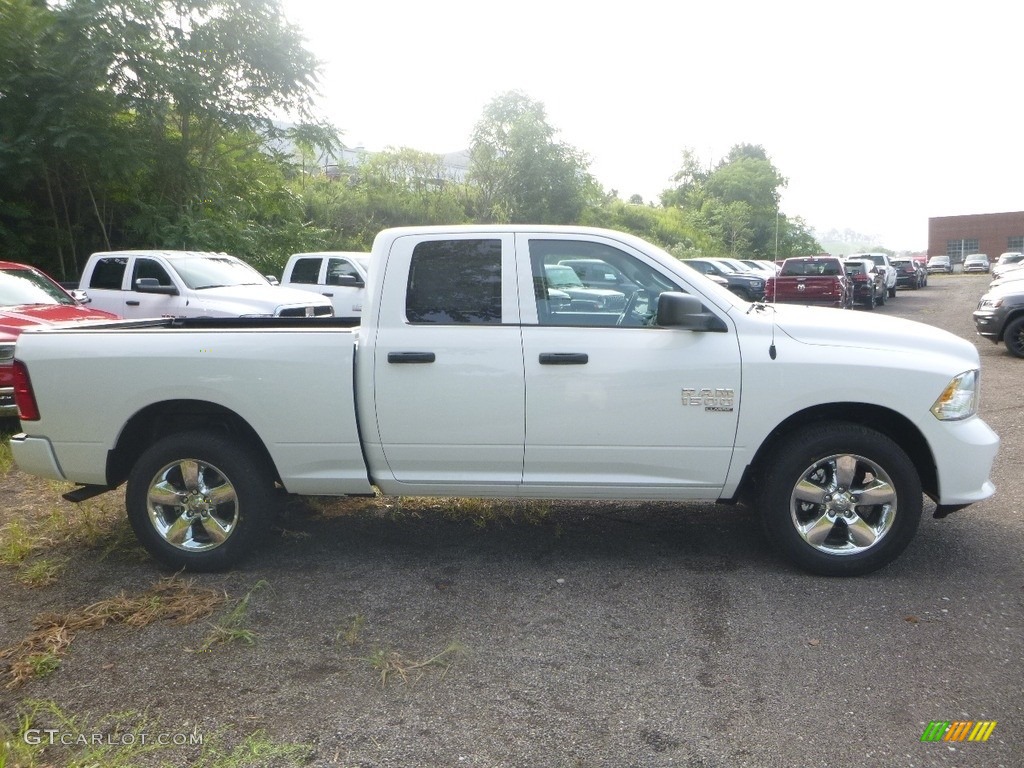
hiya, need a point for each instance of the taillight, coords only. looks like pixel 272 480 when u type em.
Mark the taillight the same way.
pixel 23 394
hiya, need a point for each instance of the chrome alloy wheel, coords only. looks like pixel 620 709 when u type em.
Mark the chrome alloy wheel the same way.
pixel 192 505
pixel 843 504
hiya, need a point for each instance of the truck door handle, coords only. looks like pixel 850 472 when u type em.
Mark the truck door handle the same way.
pixel 132 303
pixel 564 358
pixel 329 295
pixel 410 357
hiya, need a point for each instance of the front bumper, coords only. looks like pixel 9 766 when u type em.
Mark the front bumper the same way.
pixel 964 454
pixel 988 324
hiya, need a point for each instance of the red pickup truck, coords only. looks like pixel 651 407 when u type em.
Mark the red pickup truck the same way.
pixel 29 298
pixel 819 280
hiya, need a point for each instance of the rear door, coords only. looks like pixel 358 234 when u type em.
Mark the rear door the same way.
pixel 106 283
pixel 448 385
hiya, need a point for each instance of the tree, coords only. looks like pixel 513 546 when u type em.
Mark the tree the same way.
pixel 737 204
pixel 521 173
pixel 145 123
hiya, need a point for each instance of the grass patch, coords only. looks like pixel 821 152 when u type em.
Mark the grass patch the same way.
pixel 231 629
pixel 129 739
pixel 390 664
pixel 6 459
pixel 44 524
pixel 179 602
pixel 479 512
pixel 351 635
pixel 41 572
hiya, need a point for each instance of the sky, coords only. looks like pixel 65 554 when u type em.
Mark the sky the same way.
pixel 879 114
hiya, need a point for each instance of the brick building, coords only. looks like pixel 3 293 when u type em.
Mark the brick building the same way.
pixel 991 233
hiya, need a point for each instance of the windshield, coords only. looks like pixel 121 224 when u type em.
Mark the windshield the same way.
pixel 19 287
pixel 200 272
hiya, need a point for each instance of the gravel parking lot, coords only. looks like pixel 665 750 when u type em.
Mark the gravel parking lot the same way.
pixel 433 633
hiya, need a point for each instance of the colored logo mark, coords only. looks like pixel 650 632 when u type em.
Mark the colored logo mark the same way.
pixel 958 730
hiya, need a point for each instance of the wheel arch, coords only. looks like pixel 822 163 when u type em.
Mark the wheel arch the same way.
pixel 1010 317
pixel 169 417
pixel 886 421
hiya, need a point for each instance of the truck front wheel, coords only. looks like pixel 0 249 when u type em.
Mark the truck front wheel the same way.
pixel 199 500
pixel 841 500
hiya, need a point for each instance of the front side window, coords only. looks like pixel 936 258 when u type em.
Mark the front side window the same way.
pixel 563 298
pixel 150 268
pixel 455 282
pixel 341 268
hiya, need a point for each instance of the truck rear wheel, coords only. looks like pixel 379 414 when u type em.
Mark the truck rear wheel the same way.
pixel 842 500
pixel 199 500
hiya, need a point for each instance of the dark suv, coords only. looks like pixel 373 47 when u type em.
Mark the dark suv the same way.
pixel 1000 317
pixel 745 285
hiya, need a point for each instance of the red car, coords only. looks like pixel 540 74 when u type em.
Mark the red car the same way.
pixel 28 298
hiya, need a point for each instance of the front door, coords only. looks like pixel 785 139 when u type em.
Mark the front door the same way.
pixel 615 404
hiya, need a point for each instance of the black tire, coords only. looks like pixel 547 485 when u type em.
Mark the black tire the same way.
pixel 872 300
pixel 199 500
pixel 892 292
pixel 881 297
pixel 1013 337
pixel 813 504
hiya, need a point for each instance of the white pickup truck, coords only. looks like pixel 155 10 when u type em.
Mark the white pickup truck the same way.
pixel 338 275
pixel 152 283
pixel 465 379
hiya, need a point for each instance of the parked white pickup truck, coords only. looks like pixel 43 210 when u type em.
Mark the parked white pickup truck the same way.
pixel 137 284
pixel 338 275
pixel 464 379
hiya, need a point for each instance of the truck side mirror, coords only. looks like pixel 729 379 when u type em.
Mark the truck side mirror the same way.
pixel 683 311
pixel 272 280
pixel 152 285
pixel 351 281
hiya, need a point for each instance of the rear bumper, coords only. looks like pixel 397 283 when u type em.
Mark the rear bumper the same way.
pixel 35 456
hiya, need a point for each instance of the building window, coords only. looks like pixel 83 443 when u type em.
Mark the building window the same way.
pixel 1015 243
pixel 957 249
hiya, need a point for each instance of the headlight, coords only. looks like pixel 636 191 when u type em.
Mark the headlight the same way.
pixel 959 399
pixel 987 303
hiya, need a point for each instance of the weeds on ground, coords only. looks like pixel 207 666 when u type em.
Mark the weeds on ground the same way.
pixel 41 571
pixel 6 460
pixel 179 602
pixel 479 512
pixel 127 737
pixel 32 533
pixel 390 663
pixel 231 629
pixel 350 635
